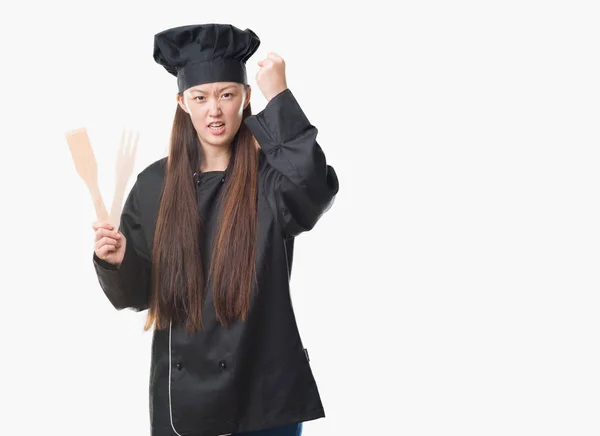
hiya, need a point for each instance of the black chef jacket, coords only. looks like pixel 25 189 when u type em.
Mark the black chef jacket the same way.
pixel 254 374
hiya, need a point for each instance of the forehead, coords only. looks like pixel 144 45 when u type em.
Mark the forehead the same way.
pixel 209 88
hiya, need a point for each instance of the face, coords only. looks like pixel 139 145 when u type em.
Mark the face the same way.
pixel 215 110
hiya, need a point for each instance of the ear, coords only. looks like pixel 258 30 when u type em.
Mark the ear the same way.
pixel 248 95
pixel 181 102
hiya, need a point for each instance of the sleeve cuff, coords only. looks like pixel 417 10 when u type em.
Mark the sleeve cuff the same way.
pixel 104 264
pixel 280 121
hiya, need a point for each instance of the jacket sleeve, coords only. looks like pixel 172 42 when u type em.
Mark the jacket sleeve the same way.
pixel 128 285
pixel 299 183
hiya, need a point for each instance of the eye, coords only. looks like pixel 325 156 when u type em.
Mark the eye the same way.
pixel 228 94
pixel 200 96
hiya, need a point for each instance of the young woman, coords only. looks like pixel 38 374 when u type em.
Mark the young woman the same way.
pixel 206 238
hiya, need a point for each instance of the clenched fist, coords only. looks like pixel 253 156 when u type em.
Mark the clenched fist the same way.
pixel 271 76
pixel 109 243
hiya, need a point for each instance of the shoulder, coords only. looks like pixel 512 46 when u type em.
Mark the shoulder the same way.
pixel 146 190
pixel 152 176
pixel 156 169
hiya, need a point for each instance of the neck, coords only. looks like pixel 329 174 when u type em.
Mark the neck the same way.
pixel 215 158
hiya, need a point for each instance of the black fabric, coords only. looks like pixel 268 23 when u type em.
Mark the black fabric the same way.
pixel 205 53
pixel 253 375
pixel 286 430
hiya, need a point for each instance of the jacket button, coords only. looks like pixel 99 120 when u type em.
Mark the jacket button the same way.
pixel 179 365
pixel 223 364
pixel 223 180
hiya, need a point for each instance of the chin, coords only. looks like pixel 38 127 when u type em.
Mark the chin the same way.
pixel 218 140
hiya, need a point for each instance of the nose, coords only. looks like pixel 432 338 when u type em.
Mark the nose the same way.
pixel 214 108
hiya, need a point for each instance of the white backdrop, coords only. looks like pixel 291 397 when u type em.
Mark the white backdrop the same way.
pixel 451 290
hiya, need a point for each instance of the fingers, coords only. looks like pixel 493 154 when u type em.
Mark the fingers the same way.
pixel 104 251
pixel 105 230
pixel 102 224
pixel 105 240
pixel 104 233
pixel 272 58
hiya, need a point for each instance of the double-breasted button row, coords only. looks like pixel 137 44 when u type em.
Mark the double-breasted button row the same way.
pixel 199 182
pixel 222 365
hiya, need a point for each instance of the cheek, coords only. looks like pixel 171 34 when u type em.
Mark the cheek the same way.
pixel 234 114
pixel 198 119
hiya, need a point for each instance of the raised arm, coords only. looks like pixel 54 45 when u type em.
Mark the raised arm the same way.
pixel 299 183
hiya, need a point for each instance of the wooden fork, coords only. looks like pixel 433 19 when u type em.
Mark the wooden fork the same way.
pixel 124 169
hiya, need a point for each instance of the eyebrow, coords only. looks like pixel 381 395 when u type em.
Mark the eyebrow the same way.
pixel 220 90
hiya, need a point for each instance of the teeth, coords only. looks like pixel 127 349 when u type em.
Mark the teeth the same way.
pixel 216 125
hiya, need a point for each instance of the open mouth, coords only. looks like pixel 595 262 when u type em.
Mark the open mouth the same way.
pixel 217 126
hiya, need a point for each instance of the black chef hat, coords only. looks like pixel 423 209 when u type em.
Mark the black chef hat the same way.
pixel 205 53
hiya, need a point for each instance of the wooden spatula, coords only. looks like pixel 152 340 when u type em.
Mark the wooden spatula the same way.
pixel 86 166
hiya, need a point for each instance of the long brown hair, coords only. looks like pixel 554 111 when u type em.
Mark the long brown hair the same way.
pixel 179 284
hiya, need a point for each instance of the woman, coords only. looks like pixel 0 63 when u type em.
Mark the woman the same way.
pixel 206 240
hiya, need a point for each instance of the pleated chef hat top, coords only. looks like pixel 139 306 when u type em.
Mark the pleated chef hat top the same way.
pixel 205 53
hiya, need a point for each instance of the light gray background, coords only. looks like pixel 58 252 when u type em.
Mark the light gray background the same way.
pixel 451 290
